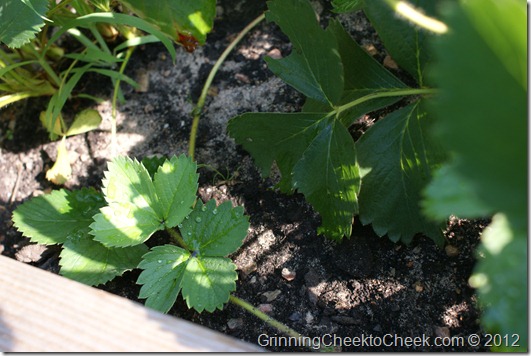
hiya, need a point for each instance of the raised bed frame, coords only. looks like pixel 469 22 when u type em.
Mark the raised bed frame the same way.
pixel 41 312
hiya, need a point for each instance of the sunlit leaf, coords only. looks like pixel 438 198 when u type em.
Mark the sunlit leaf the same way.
pixel 133 213
pixel 50 219
pixel 85 121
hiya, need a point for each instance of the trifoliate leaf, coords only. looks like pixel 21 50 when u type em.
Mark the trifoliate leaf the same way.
pixel 163 269
pixel 134 212
pixel 206 282
pixel 328 176
pixel 61 171
pixel 214 231
pixel 86 120
pixel 406 43
pixel 21 20
pixel 397 158
pixel 176 186
pixel 501 279
pixel 177 16
pixel 88 261
pixel 314 67
pixel 52 218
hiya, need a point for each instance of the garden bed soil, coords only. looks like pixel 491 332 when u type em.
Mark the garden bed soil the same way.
pixel 362 286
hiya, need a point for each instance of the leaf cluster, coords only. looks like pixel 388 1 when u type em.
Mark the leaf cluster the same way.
pixel 104 234
pixel 313 149
pixel 458 149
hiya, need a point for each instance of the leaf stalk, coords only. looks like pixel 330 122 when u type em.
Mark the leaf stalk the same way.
pixel 201 102
pixel 273 322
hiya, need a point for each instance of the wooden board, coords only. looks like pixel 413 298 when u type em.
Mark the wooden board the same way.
pixel 41 311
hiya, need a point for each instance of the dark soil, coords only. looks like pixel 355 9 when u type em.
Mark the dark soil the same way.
pixel 360 287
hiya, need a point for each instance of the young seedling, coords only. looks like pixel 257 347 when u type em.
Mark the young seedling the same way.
pixel 104 234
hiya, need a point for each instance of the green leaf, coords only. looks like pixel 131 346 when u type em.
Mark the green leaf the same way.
pixel 397 158
pixel 344 6
pixel 163 270
pixel 276 137
pixel 501 279
pixel 214 231
pixel 177 16
pixel 363 76
pixel 113 19
pixel 134 212
pixel 303 144
pixel 328 176
pixel 88 261
pixel 52 218
pixel 86 120
pixel 314 67
pixel 206 282
pixel 450 194
pixel 485 125
pixel 407 43
pixel 21 20
pixel 152 164
pixel 176 186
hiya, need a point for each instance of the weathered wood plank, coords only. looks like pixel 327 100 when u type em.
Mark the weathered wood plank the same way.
pixel 40 311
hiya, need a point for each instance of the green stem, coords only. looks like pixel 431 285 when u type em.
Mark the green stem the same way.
pixel 274 323
pixel 178 238
pixel 201 102
pixel 114 143
pixel 383 94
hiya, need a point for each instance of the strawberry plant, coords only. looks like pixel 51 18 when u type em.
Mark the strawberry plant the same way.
pixel 313 149
pixel 104 234
pixel 443 152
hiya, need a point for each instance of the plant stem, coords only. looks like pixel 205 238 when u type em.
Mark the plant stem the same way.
pixel 383 94
pixel 178 238
pixel 274 323
pixel 201 102
pixel 114 143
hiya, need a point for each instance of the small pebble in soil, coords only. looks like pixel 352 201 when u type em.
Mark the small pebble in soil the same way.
pixel 288 275
pixel 295 316
pixel 271 295
pixel 418 286
pixel 234 323
pixel 451 251
pixel 265 308
pixel 309 318
pixel 390 62
pixel 442 331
